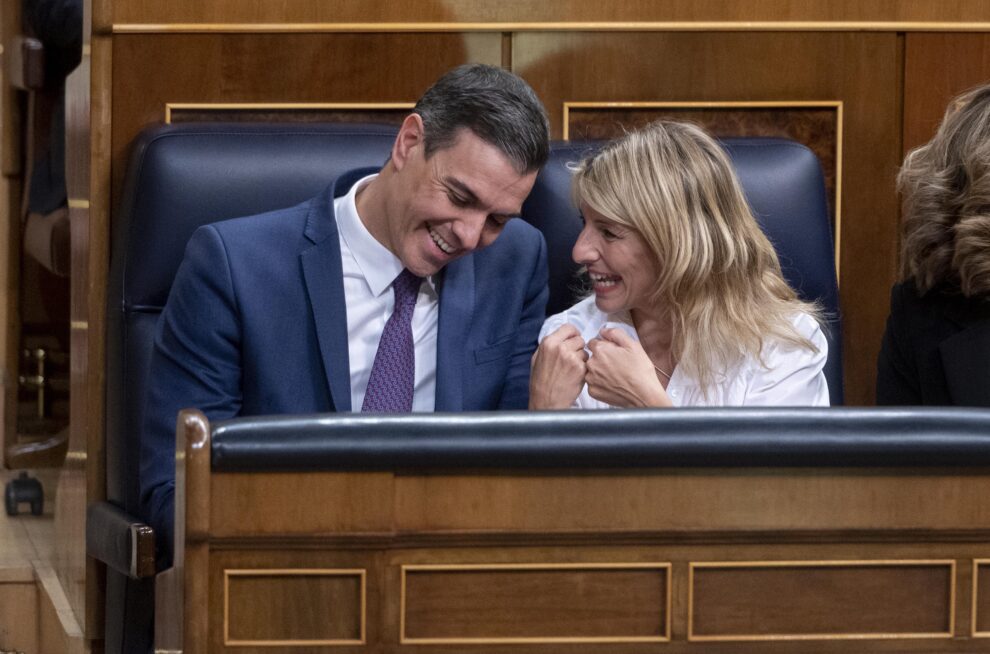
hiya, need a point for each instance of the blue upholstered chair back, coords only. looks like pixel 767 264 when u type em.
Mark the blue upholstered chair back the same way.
pixel 784 186
pixel 181 177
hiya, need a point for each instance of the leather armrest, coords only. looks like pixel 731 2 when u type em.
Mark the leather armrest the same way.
pixel 122 542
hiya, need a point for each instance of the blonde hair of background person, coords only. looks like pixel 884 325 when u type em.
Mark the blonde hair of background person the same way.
pixel 718 281
pixel 946 189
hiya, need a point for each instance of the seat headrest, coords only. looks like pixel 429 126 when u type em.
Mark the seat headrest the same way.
pixel 187 175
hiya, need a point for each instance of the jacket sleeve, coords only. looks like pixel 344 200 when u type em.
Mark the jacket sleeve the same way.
pixel 195 362
pixel 897 374
pixel 515 392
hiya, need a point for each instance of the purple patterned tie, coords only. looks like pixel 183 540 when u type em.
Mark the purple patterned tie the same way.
pixel 393 374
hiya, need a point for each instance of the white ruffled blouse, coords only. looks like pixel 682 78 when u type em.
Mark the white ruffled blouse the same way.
pixel 792 377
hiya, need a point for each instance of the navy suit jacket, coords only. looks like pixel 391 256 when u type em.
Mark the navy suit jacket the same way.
pixel 256 324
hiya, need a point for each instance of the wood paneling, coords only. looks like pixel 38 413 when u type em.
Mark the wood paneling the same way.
pixel 657 67
pixel 349 501
pixel 299 68
pixel 937 67
pixel 433 11
pixel 804 600
pixel 681 501
pixel 336 595
pixel 294 607
pixel 535 603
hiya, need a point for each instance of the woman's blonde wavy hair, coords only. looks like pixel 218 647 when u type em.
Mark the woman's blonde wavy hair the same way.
pixel 946 189
pixel 720 278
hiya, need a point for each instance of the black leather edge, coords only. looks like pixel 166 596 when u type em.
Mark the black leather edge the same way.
pixel 122 542
pixel 736 437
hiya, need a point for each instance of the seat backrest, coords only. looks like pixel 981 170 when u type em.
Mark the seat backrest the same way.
pixel 183 176
pixel 179 178
pixel 785 188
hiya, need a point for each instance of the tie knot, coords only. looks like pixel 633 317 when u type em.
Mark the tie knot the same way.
pixel 406 288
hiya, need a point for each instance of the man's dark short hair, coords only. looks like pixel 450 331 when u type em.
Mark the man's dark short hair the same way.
pixel 498 106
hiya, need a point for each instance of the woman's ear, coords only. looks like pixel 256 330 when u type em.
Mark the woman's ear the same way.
pixel 411 135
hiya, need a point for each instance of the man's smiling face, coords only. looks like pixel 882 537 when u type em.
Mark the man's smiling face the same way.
pixel 450 204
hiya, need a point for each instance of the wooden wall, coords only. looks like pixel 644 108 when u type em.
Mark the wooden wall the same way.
pixel 889 67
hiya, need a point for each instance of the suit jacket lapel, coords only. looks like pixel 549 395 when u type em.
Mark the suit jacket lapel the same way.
pixel 966 362
pixel 324 278
pixel 456 307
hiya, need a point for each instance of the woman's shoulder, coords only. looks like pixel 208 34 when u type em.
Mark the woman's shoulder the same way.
pixel 808 326
pixel 805 326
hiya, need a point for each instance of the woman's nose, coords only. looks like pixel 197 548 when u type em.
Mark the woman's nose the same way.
pixel 584 251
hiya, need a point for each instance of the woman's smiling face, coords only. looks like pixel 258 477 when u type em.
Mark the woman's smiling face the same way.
pixel 623 271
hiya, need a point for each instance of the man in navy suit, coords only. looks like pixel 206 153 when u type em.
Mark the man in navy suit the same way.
pixel 284 312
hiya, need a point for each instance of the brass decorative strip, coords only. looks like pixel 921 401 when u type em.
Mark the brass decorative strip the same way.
pixel 78 203
pixel 79 325
pixel 281 106
pixel 974 627
pixel 556 26
pixel 293 572
pixel 533 640
pixel 949 633
pixel 837 105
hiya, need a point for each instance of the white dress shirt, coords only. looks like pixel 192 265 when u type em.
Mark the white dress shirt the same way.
pixel 369 269
pixel 792 377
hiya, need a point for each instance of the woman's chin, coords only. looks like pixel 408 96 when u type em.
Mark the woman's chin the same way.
pixel 608 303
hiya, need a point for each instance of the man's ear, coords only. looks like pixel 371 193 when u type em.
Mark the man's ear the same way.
pixel 411 135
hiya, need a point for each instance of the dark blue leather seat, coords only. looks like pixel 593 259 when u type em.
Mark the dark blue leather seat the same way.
pixel 181 177
pixel 786 191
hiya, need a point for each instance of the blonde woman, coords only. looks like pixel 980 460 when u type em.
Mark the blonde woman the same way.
pixel 689 307
pixel 936 349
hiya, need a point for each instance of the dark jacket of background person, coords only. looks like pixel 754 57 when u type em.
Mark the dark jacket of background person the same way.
pixel 936 349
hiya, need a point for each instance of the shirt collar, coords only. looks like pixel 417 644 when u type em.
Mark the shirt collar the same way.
pixel 375 261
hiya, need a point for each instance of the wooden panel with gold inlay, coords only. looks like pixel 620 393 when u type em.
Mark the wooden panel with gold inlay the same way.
pixel 981 598
pixel 294 607
pixel 535 603
pixel 822 600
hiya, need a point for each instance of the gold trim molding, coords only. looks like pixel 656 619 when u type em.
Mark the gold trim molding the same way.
pixel 281 106
pixel 837 105
pixel 534 640
pixel 756 565
pixel 554 26
pixel 295 572
pixel 976 589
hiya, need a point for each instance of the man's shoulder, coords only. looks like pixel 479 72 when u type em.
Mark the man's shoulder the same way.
pixel 287 219
pixel 517 237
